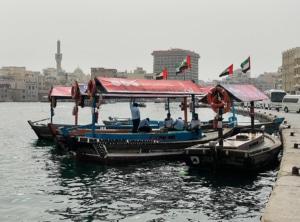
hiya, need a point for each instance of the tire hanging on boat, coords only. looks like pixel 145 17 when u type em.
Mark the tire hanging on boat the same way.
pixel 75 110
pixel 218 98
pixel 91 88
pixel 75 91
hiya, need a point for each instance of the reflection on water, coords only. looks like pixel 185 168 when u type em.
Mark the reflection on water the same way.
pixel 40 184
pixel 157 191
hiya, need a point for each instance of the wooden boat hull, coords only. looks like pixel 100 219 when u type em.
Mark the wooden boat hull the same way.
pixel 42 130
pixel 217 158
pixel 124 152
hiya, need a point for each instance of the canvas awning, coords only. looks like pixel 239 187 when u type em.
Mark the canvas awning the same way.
pixel 242 93
pixel 118 87
pixel 64 92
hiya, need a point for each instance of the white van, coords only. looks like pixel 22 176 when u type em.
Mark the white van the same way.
pixel 291 103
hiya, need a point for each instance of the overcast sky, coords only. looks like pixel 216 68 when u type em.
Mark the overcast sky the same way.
pixel 122 33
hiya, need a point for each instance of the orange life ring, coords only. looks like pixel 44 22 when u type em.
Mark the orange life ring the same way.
pixel 214 101
pixel 91 88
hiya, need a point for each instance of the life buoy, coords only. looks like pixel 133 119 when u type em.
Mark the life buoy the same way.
pixel 215 102
pixel 91 88
pixel 195 160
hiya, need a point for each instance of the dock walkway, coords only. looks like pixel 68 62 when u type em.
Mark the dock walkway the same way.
pixel 284 201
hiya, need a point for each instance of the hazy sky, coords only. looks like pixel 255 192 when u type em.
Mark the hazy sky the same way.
pixel 122 33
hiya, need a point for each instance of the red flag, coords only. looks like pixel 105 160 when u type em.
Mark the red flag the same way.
pixel 227 71
pixel 188 61
pixel 162 75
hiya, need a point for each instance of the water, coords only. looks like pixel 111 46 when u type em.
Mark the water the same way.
pixel 39 184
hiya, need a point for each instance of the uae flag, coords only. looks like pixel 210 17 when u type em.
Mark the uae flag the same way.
pixel 227 71
pixel 246 65
pixel 185 64
pixel 162 75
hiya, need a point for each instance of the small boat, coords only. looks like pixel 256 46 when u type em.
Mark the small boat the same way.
pixel 42 130
pixel 138 147
pixel 143 105
pixel 158 143
pixel 246 150
pixel 126 123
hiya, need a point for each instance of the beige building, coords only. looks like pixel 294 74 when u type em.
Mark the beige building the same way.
pixel 291 70
pixel 23 83
pixel 103 72
pixel 170 59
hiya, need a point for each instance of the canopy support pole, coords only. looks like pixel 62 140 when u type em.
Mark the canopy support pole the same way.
pixel 193 105
pixel 220 127
pixel 185 110
pixel 252 115
pixel 76 114
pixel 51 113
pixel 93 116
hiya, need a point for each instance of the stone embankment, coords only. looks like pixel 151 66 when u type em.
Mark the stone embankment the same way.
pixel 284 201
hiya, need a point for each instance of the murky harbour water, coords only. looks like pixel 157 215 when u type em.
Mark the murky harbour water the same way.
pixel 40 184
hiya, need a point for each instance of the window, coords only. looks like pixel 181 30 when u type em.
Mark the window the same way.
pixel 290 100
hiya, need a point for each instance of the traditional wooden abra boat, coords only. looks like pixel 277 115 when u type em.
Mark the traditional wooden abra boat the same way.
pixel 249 149
pixel 134 147
pixel 40 127
pixel 245 151
pixel 42 130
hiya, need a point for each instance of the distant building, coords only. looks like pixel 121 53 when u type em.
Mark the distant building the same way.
pixel 268 80
pixel 23 84
pixel 170 59
pixel 291 70
pixel 103 72
pixel 238 77
pixel 5 95
pixel 77 75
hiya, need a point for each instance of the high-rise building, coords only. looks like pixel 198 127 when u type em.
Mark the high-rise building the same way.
pixel 291 70
pixel 171 59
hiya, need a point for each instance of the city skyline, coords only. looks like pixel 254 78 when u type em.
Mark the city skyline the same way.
pixel 122 35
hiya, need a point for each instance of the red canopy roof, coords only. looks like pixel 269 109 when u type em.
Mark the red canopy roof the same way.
pixel 61 92
pixel 64 92
pixel 142 87
pixel 245 93
pixel 242 93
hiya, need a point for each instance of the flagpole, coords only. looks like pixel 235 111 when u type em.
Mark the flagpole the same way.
pixel 168 99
